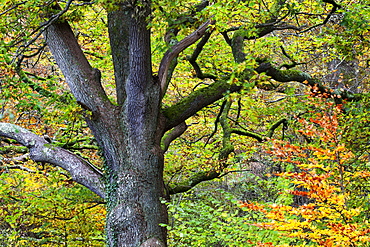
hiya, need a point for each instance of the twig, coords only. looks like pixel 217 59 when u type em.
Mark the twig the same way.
pixel 11 8
pixel 216 122
pixel 335 7
pixel 42 28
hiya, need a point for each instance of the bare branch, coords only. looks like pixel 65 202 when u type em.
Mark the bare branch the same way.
pixel 193 58
pixel 335 7
pixel 81 170
pixel 216 122
pixel 42 91
pixel 288 66
pixel 227 148
pixel 13 7
pixel 42 29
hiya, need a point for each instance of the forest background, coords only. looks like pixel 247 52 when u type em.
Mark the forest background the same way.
pixel 265 140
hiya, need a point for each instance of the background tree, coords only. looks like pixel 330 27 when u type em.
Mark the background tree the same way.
pixel 242 46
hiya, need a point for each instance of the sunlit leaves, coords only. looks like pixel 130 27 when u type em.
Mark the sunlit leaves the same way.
pixel 45 207
pixel 200 219
pixel 331 174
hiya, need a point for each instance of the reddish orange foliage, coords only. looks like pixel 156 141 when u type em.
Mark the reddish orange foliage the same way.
pixel 323 176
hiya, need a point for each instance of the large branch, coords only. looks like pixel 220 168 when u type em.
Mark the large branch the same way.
pixel 191 104
pixel 175 50
pixel 118 27
pixel 83 80
pixel 85 83
pixel 40 150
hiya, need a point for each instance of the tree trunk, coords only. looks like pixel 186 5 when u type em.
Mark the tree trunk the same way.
pixel 136 182
pixel 129 132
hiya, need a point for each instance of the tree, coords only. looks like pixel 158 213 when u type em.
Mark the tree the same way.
pixel 135 127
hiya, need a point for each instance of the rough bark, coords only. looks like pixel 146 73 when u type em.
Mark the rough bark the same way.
pixel 118 30
pixel 129 134
pixel 134 209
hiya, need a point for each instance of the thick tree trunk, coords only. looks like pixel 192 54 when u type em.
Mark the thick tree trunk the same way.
pixel 135 211
pixel 128 133
pixel 134 207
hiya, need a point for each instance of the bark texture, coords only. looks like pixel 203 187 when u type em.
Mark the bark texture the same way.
pixel 130 133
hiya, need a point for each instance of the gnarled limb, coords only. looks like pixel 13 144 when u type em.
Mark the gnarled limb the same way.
pixel 226 150
pixel 302 77
pixel 83 80
pixel 273 127
pixel 216 122
pixel 175 50
pixel 81 170
pixel 224 153
pixel 198 99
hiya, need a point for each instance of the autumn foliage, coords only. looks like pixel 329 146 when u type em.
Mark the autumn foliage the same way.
pixel 329 176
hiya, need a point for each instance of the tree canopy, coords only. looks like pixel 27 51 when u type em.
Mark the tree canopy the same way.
pixel 141 100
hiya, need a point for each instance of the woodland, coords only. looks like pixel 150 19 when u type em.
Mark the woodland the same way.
pixel 154 123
